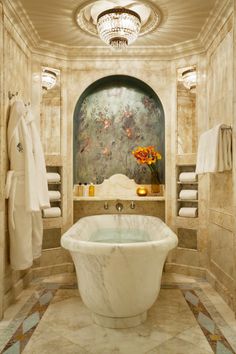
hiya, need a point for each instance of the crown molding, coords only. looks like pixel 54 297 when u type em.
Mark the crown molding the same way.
pixel 216 20
pixel 17 15
pixel 218 17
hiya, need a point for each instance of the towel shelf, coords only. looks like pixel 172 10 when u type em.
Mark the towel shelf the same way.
pixel 178 182
pixel 185 185
pixel 188 200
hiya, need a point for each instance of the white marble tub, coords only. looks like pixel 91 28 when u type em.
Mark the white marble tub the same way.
pixel 119 261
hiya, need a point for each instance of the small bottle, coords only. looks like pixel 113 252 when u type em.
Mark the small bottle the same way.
pixel 80 190
pixel 85 189
pixel 91 190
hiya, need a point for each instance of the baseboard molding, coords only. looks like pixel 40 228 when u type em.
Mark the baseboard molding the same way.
pixel 192 271
pixel 52 270
pixel 221 289
pixel 12 294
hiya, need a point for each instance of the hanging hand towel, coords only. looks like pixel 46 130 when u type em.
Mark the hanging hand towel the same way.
pixel 187 177
pixel 53 177
pixel 52 212
pixel 188 212
pixel 215 150
pixel 187 194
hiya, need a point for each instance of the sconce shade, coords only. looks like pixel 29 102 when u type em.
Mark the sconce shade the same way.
pixel 189 79
pixel 49 79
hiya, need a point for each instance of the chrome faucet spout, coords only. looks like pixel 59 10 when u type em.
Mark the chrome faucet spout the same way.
pixel 119 207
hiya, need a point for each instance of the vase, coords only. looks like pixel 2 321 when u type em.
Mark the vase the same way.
pixel 155 183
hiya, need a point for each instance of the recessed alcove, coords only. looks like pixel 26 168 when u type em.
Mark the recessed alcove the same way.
pixel 112 117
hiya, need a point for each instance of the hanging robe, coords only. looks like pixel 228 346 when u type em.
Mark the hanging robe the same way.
pixel 26 188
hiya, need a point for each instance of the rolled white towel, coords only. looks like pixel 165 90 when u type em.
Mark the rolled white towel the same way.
pixel 188 212
pixel 187 194
pixel 187 177
pixel 53 177
pixel 54 195
pixel 51 212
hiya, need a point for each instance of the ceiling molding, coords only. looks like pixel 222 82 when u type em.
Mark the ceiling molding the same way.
pixel 18 16
pixel 217 18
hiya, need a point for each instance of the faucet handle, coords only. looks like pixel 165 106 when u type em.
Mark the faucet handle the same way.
pixel 132 205
pixel 106 205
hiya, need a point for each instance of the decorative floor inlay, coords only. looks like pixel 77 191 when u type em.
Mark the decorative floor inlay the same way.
pixel 214 336
pixel 54 319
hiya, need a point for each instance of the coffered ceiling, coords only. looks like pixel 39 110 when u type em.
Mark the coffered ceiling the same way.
pixel 184 24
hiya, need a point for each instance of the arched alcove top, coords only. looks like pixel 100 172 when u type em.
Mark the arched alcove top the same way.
pixel 112 117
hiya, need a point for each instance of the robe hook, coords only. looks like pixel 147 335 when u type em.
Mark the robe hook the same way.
pixel 11 95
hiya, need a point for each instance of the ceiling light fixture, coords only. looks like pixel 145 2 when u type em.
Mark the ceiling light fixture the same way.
pixel 118 27
pixel 49 79
pixel 189 79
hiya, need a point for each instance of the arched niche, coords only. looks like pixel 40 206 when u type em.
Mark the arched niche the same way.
pixel 112 117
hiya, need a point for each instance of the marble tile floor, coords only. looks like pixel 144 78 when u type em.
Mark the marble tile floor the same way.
pixel 189 317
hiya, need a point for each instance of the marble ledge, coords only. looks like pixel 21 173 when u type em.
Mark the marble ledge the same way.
pixel 135 197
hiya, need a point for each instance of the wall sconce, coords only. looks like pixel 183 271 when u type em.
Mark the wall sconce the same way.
pixel 189 78
pixel 49 79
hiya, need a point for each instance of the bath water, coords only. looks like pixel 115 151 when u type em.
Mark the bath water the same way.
pixel 114 235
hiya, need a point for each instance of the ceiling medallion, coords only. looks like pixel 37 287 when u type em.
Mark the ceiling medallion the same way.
pixel 118 22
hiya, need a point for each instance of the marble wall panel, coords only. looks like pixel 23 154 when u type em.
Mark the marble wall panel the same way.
pixel 220 110
pixel 16 71
pixel 151 208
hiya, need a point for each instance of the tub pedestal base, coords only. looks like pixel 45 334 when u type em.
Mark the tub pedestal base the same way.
pixel 119 322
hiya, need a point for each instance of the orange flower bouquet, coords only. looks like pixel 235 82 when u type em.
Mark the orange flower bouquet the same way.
pixel 147 155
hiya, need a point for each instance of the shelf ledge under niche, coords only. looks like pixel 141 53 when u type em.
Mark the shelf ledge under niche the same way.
pixel 188 200
pixel 120 187
pixel 50 223
pixel 187 182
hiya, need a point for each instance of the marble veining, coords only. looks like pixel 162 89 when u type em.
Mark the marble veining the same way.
pixel 119 281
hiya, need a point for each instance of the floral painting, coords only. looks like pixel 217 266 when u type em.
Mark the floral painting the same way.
pixel 109 123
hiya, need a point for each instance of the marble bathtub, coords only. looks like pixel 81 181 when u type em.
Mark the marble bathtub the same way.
pixel 119 261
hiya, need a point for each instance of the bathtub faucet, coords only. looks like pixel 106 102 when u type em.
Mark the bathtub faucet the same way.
pixel 119 207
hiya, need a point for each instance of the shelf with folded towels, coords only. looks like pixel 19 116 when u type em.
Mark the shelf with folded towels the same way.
pixel 52 217
pixel 187 191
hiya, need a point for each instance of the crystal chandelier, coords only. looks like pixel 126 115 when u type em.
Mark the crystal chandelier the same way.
pixel 189 79
pixel 118 27
pixel 49 79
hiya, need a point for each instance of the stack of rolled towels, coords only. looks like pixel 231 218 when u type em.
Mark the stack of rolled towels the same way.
pixel 54 195
pixel 53 212
pixel 188 177
pixel 188 195
pixel 53 177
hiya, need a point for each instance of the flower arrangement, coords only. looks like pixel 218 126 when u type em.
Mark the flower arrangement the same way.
pixel 147 155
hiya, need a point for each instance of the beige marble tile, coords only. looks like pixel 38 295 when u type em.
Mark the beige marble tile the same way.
pixel 69 321
pixel 179 346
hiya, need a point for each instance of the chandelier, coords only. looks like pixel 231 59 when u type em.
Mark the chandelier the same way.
pixel 118 27
pixel 49 79
pixel 189 79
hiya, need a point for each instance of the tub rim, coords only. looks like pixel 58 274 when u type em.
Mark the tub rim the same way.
pixel 76 245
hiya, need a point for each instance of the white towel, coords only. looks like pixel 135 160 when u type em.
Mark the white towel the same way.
pixel 53 177
pixel 187 177
pixel 215 150
pixel 188 212
pixel 54 195
pixel 52 212
pixel 187 194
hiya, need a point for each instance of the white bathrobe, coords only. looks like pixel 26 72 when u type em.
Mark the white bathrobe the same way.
pixel 26 188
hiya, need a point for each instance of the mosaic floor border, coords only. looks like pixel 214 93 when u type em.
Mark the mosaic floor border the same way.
pixel 19 331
